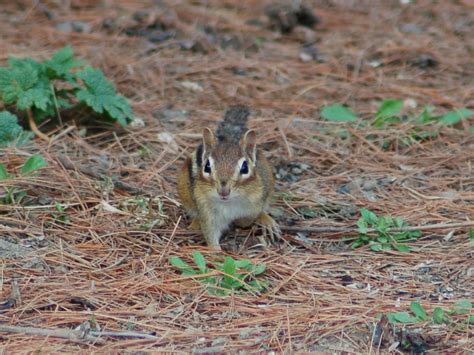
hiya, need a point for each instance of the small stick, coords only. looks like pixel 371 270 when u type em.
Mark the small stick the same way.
pixel 34 127
pixel 69 334
pixel 123 334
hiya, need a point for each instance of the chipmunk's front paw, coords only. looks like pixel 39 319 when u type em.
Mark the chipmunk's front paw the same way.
pixel 270 228
pixel 195 225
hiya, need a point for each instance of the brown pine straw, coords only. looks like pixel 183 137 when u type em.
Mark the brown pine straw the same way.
pixel 103 282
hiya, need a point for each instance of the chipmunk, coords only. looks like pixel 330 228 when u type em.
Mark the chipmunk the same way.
pixel 228 180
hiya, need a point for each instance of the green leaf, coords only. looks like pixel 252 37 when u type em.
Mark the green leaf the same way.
pixel 389 108
pixel 439 316
pixel 338 113
pixel 382 239
pixel 3 172
pixel 358 243
pixel 418 310
pixel 200 261
pixel 454 117
pixel 259 269
pixel 403 317
pixel 462 307
pixel 402 247
pixel 362 224
pixel 61 63
pixel 176 261
pixel 229 271
pixel 244 264
pixel 100 95
pixel 470 234
pixel 35 162
pixel 375 246
pixel 471 319
pixel 25 84
pixel 398 222
pixel 381 223
pixel 11 133
pixel 369 216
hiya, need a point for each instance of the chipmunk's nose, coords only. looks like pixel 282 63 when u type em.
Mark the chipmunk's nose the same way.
pixel 224 191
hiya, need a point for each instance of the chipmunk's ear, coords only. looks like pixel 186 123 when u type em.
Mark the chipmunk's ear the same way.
pixel 249 143
pixel 208 138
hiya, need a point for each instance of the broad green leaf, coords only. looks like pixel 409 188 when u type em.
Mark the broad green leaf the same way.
pixel 462 307
pixel 369 216
pixel 375 246
pixel 362 224
pixel 99 94
pixel 418 310
pixel 381 223
pixel 389 108
pixel 3 172
pixel 382 239
pixel 357 243
pixel 338 113
pixel 229 270
pixel 454 117
pixel 398 222
pixel 34 163
pixel 402 247
pixel 176 261
pixel 471 319
pixel 259 269
pixel 200 261
pixel 243 264
pixel 61 64
pixel 404 317
pixel 438 316
pixel 10 130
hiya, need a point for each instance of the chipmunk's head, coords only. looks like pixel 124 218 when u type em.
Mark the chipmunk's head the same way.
pixel 225 164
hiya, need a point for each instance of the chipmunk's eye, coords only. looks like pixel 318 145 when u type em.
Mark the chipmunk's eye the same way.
pixel 207 167
pixel 244 168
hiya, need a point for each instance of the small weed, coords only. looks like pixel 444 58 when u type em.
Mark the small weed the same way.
pixel 11 133
pixel 223 278
pixel 389 114
pixel 384 238
pixel 14 195
pixel 338 113
pixel 145 212
pixel 43 89
pixel 439 316
pixel 60 214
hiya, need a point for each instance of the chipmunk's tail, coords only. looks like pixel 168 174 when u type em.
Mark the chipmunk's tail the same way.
pixel 234 124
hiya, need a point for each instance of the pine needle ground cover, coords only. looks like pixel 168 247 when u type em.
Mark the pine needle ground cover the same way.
pixel 366 113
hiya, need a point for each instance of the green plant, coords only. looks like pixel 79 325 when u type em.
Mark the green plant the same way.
pixel 60 215
pixel 439 316
pixel 11 133
pixel 383 238
pixel 388 112
pixel 417 127
pixel 338 113
pixel 43 89
pixel 223 277
pixel 13 194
